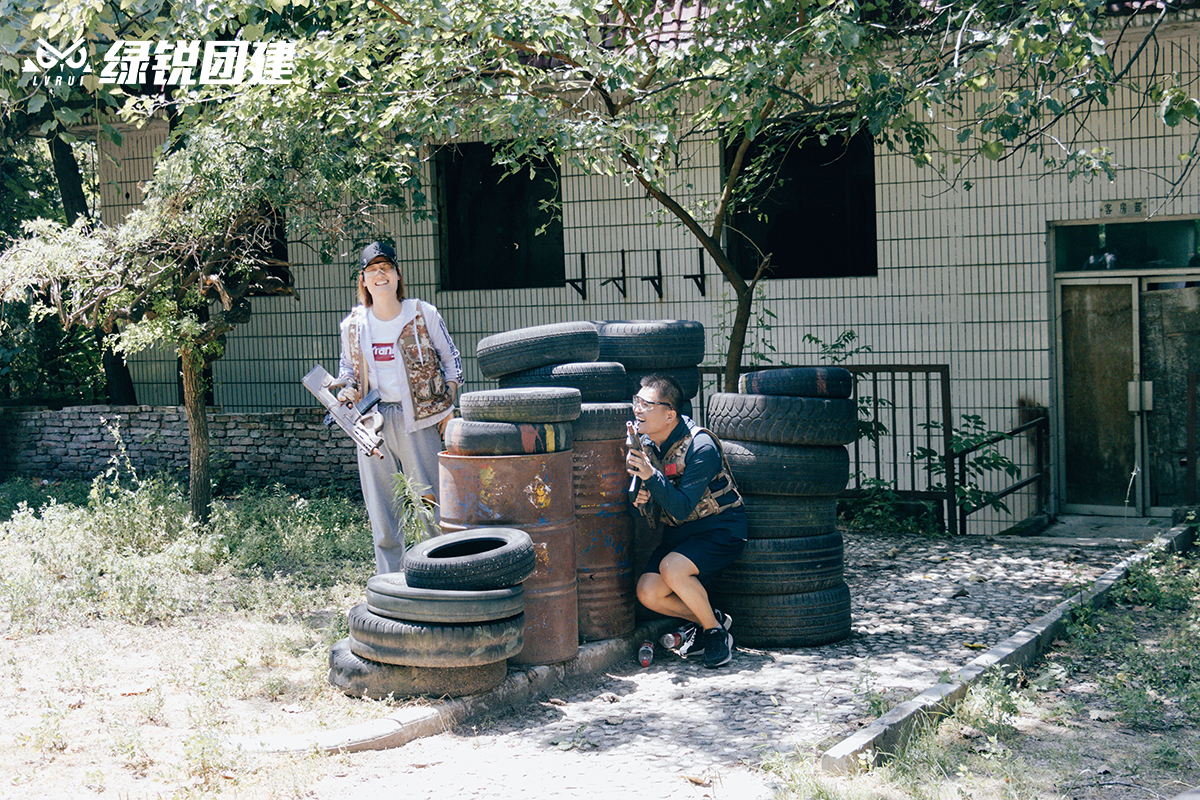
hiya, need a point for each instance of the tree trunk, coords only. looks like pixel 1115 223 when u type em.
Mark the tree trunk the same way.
pixel 199 479
pixel 70 181
pixel 737 338
pixel 118 383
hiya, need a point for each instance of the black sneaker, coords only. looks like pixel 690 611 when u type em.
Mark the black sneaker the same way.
pixel 718 647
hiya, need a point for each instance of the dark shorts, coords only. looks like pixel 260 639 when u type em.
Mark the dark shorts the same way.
pixel 711 551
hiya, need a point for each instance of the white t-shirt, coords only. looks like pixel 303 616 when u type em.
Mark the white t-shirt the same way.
pixel 383 362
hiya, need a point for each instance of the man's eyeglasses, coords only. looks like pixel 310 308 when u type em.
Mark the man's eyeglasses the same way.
pixel 641 403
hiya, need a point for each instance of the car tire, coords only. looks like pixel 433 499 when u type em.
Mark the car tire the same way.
pixel 361 677
pixel 781 516
pixel 777 419
pixel 413 644
pixel 795 470
pixel 537 346
pixel 476 560
pixel 465 437
pixel 652 344
pixel 809 619
pixel 599 422
pixel 833 382
pixel 597 381
pixel 784 566
pixel 521 405
pixel 389 595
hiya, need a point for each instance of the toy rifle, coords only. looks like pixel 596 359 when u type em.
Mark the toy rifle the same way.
pixel 360 420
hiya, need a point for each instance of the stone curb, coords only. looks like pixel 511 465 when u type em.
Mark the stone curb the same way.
pixel 889 734
pixel 413 722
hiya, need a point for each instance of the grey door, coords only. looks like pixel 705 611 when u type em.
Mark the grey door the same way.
pixel 1170 339
pixel 1099 452
pixel 1127 345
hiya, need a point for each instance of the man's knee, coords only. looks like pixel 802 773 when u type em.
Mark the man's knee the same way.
pixel 676 567
pixel 650 587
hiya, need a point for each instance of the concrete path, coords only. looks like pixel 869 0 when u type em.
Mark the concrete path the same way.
pixel 922 609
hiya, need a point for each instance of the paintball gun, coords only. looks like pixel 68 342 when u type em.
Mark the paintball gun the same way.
pixel 361 421
pixel 633 442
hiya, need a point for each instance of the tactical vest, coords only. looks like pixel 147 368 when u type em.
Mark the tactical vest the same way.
pixel 721 492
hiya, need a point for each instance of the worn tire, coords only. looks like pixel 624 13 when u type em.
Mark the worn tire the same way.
pixel 474 560
pixel 781 517
pixel 414 644
pixel 601 421
pixel 537 346
pixel 777 419
pixel 534 404
pixel 597 381
pixel 784 566
pixel 464 437
pixel 796 470
pixel 360 677
pixel 809 619
pixel 834 382
pixel 652 344
pixel 688 379
pixel 389 595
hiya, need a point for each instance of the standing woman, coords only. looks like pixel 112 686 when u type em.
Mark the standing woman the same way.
pixel 400 346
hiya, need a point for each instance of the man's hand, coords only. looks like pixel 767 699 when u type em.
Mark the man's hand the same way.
pixel 642 498
pixel 348 396
pixel 637 463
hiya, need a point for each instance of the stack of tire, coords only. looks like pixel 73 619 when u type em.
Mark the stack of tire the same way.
pixel 559 356
pixel 784 434
pixel 670 347
pixel 446 625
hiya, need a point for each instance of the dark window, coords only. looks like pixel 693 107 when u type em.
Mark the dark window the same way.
pixel 497 231
pixel 812 209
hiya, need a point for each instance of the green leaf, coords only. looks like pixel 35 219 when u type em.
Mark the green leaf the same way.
pixel 993 150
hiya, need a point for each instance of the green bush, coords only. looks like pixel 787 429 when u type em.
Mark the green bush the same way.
pixel 133 553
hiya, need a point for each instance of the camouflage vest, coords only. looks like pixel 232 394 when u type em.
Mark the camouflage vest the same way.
pixel 721 492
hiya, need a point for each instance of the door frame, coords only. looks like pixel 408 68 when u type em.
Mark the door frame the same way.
pixel 1140 495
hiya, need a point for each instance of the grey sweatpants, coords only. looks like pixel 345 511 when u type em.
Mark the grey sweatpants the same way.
pixel 414 453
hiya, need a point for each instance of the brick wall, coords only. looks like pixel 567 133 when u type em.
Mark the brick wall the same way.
pixel 291 446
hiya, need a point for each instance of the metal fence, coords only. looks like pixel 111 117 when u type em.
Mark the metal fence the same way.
pixel 907 430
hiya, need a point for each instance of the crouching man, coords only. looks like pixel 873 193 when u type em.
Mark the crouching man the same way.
pixel 684 473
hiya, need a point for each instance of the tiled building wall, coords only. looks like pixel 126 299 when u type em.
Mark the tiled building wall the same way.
pixel 964 276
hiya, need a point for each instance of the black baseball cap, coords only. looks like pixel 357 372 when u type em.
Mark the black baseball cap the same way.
pixel 373 251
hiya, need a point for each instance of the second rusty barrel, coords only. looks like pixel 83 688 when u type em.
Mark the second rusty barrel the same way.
pixel 603 540
pixel 534 493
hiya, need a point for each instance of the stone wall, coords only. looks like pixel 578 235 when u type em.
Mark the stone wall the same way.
pixel 291 447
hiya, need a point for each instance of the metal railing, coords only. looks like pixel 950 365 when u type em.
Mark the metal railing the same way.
pixel 905 408
pixel 1041 428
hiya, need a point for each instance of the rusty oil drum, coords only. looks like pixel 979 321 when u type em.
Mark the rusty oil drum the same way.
pixel 533 493
pixel 603 540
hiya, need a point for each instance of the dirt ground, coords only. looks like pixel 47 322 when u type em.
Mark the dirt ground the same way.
pixel 113 711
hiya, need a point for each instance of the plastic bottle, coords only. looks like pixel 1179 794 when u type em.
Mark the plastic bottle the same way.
pixel 646 653
pixel 671 640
